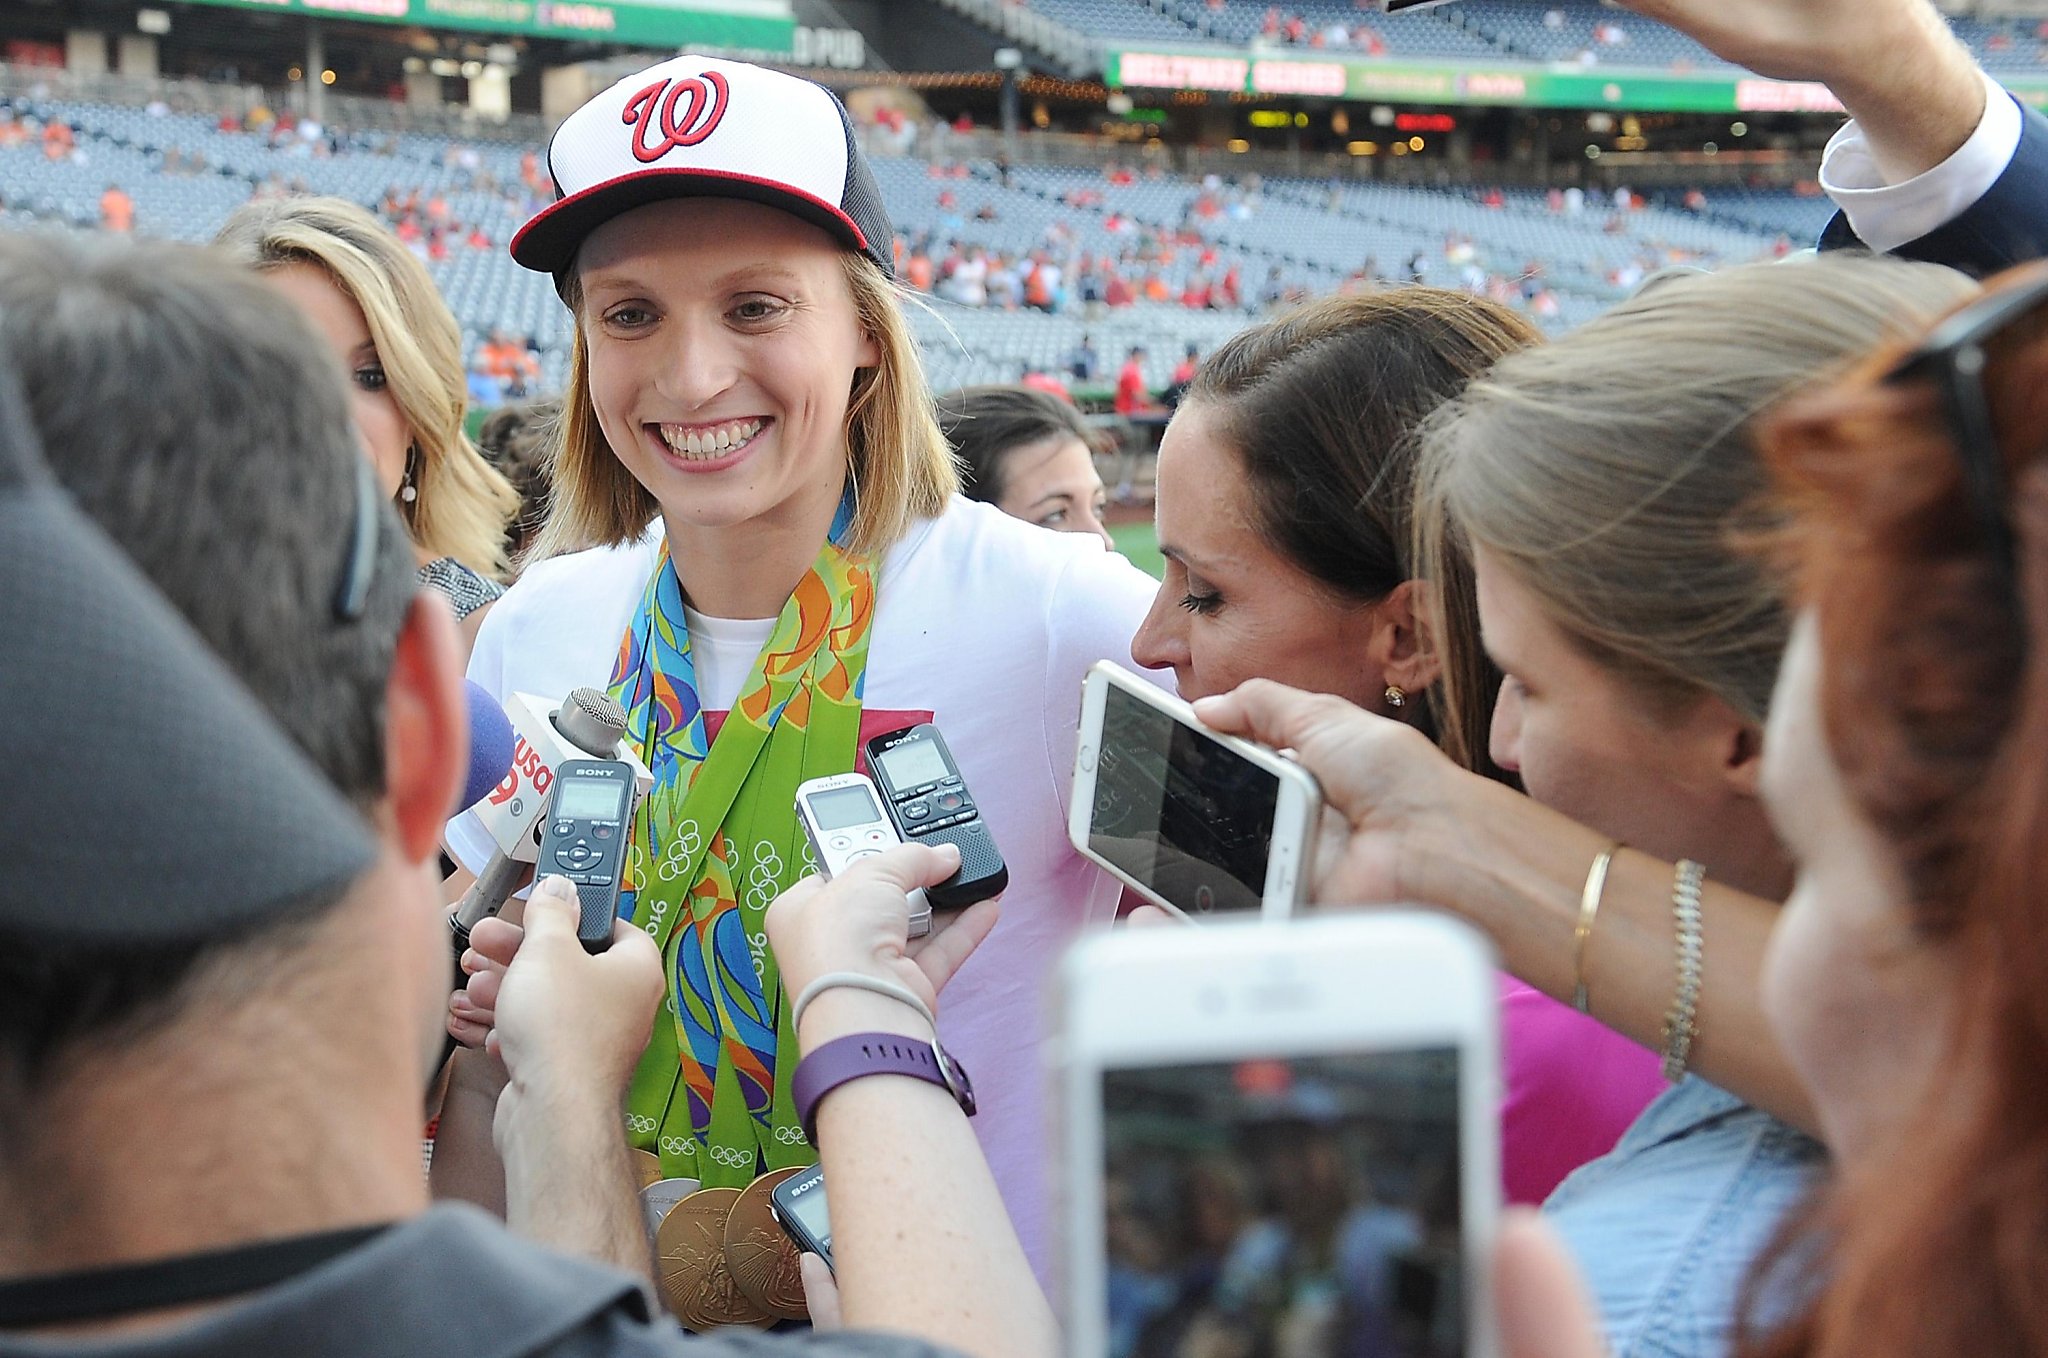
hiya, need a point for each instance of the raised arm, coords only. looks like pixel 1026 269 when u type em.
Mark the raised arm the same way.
pixel 1416 828
pixel 920 1239
pixel 1911 86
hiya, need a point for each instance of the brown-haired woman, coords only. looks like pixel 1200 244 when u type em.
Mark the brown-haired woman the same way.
pixel 1028 453
pixel 1283 503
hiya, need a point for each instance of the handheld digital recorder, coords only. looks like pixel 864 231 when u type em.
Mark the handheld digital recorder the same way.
pixel 929 802
pixel 584 838
pixel 843 818
pixel 798 1204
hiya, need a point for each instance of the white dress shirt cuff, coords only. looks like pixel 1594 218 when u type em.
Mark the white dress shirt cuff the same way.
pixel 1887 216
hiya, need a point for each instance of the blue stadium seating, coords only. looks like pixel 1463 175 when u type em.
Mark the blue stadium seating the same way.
pixel 1309 235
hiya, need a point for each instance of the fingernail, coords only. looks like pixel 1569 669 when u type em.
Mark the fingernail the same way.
pixel 554 884
pixel 471 962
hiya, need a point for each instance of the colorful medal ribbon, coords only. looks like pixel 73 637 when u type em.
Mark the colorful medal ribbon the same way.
pixel 714 842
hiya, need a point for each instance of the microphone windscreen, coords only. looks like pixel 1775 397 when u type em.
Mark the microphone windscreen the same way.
pixel 490 746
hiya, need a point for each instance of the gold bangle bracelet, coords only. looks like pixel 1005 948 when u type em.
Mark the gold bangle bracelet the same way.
pixel 1589 911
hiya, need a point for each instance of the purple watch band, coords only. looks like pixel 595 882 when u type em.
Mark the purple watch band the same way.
pixel 849 1058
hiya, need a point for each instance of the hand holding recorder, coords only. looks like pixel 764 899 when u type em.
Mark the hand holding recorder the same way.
pixel 858 922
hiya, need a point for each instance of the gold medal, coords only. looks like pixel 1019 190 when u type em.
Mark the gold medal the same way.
pixel 760 1254
pixel 646 1166
pixel 695 1281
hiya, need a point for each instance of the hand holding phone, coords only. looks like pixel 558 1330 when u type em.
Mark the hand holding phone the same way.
pixel 1291 1133
pixel 1198 822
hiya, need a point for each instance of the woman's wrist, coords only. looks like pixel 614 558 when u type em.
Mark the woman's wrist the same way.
pixel 843 1011
pixel 1450 850
pixel 1512 868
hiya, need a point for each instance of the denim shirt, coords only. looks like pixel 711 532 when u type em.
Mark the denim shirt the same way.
pixel 1665 1227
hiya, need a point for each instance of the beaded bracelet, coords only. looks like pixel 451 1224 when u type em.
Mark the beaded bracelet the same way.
pixel 1680 1026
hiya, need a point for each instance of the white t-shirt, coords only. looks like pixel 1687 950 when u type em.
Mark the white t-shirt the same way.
pixel 985 625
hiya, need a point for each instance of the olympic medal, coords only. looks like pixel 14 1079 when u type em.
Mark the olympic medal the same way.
pixel 760 1254
pixel 646 1166
pixel 695 1281
pixel 657 1199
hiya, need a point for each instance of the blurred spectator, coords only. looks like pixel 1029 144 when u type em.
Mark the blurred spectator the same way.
pixel 1133 397
pixel 1183 374
pixel 1085 363
pixel 58 143
pixel 510 362
pixel 485 391
pixel 514 438
pixel 117 209
pixel 1038 379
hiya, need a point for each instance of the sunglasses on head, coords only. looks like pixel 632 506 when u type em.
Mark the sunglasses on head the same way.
pixel 1954 358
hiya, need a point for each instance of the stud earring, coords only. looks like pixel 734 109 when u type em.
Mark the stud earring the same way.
pixel 1396 696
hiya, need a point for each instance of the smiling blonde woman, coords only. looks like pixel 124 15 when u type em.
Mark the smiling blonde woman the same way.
pixel 756 544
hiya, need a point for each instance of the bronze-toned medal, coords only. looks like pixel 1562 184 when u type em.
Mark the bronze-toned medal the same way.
pixel 646 1167
pixel 695 1281
pixel 762 1257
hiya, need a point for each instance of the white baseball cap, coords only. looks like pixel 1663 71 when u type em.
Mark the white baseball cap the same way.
pixel 702 127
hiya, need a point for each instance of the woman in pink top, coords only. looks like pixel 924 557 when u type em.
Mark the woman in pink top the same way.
pixel 1283 514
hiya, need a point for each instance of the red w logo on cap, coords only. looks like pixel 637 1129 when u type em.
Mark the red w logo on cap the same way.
pixel 654 108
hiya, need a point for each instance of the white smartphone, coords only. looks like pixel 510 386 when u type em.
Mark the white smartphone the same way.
pixel 1200 823
pixel 843 819
pixel 1280 1140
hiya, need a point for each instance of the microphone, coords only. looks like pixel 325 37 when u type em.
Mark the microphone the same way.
pixel 490 746
pixel 588 724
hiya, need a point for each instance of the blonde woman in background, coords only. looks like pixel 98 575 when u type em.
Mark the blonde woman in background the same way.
pixel 401 348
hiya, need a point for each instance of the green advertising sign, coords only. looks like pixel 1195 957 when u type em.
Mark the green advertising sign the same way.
pixel 1524 86
pixel 643 22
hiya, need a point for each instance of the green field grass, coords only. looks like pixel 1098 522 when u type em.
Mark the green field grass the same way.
pixel 1135 540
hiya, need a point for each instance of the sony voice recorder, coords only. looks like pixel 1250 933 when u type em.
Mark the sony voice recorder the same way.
pixel 929 803
pixel 843 818
pixel 584 837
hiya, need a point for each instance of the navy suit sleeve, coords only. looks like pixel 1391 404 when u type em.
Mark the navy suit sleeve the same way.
pixel 2007 226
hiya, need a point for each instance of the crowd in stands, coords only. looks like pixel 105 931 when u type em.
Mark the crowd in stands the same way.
pixel 1580 31
pixel 1149 257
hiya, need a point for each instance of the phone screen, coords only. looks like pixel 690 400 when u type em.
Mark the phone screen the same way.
pixel 1306 1206
pixel 1185 815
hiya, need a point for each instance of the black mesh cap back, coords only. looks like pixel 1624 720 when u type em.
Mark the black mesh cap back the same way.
pixel 144 795
pixel 863 201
